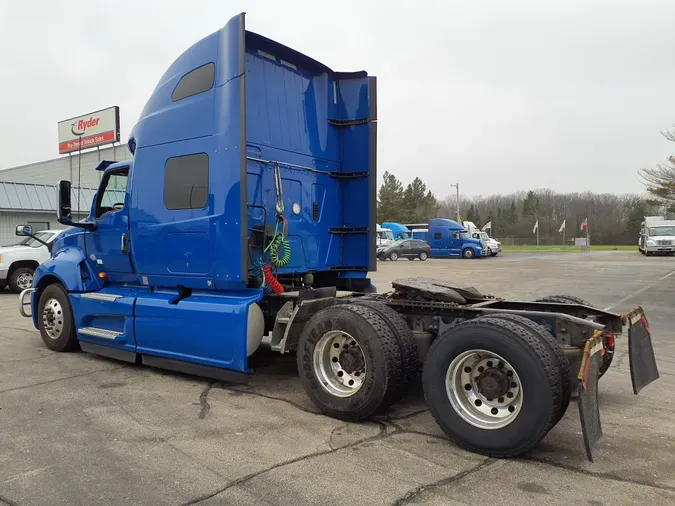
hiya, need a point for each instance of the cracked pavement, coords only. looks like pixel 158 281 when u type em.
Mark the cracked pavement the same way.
pixel 79 429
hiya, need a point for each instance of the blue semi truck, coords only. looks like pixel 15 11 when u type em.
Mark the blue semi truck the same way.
pixel 247 214
pixel 447 238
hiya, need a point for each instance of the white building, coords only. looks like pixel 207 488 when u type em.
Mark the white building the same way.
pixel 28 192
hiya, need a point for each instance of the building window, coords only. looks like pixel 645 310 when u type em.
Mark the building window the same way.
pixel 38 225
pixel 186 182
pixel 194 82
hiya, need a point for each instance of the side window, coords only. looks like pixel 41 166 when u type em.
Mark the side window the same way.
pixel 111 194
pixel 437 235
pixel 186 182
pixel 455 235
pixel 194 82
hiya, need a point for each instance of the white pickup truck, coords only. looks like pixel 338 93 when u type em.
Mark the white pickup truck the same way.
pixel 19 261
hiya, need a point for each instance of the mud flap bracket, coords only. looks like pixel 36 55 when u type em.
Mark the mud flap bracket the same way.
pixel 589 409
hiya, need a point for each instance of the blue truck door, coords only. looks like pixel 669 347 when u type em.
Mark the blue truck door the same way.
pixel 455 243
pixel 108 245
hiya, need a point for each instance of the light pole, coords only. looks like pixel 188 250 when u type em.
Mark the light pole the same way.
pixel 456 185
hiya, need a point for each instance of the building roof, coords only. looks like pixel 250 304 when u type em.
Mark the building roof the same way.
pixel 24 197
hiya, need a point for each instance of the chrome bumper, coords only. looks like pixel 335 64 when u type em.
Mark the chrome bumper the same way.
pixel 23 304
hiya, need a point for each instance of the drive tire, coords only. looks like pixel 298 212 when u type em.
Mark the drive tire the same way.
pixel 393 256
pixel 535 366
pixel 547 338
pixel 468 253
pixel 66 338
pixel 17 279
pixel 423 256
pixel 383 377
pixel 410 361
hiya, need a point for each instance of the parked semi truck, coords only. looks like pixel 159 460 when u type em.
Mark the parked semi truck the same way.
pixel 448 238
pixel 384 236
pixel 248 210
pixel 657 236
pixel 493 246
pixel 400 231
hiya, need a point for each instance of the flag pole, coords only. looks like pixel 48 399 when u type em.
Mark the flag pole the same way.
pixel 537 232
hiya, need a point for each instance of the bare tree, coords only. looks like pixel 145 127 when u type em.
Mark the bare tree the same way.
pixel 660 180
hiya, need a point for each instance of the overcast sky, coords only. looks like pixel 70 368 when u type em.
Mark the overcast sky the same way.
pixel 496 95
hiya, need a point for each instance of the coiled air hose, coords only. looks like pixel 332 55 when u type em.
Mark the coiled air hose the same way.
pixel 280 243
pixel 263 271
pixel 271 280
pixel 258 273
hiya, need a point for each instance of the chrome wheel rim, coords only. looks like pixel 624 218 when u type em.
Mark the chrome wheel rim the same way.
pixel 423 256
pixel 24 280
pixel 339 363
pixel 484 389
pixel 393 256
pixel 52 318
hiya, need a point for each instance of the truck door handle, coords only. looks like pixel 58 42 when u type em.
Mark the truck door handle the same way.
pixel 124 244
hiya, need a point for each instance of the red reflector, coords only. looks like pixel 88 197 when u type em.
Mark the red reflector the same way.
pixel 609 340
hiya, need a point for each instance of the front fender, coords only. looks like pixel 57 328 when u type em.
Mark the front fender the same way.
pixel 69 267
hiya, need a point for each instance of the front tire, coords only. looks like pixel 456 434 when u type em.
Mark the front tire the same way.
pixel 468 253
pixel 55 319
pixel 492 386
pixel 349 362
pixel 21 278
pixel 393 256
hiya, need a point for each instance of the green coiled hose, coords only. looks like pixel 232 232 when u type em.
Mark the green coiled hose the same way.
pixel 280 243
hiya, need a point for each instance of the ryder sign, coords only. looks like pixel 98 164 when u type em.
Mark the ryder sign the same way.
pixel 93 129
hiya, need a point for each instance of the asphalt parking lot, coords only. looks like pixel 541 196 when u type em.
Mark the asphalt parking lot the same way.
pixel 78 429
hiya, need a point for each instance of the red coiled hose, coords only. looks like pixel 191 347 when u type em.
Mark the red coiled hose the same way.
pixel 271 280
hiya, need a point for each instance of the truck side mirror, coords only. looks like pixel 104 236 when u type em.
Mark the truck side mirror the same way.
pixel 63 213
pixel 24 230
pixel 64 210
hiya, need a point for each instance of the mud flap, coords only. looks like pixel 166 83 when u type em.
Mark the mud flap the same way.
pixel 589 409
pixel 643 369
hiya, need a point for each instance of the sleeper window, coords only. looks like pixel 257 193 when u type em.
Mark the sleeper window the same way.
pixel 194 82
pixel 186 182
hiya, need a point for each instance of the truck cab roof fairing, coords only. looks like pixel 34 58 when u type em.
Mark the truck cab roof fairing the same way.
pixel 230 62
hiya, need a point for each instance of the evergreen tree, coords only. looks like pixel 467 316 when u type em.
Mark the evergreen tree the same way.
pixel 513 214
pixel 531 204
pixel 390 200
pixel 419 205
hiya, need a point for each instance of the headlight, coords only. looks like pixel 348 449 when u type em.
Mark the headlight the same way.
pixel 650 242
